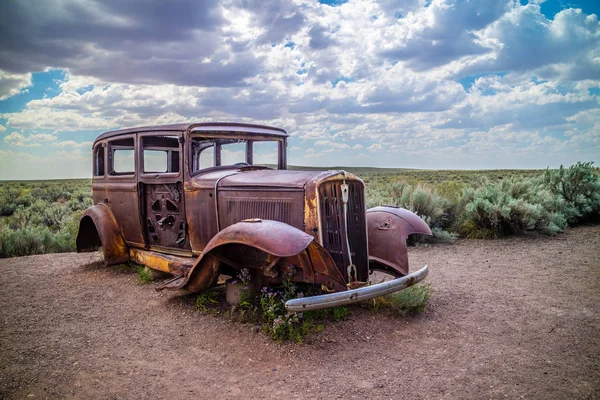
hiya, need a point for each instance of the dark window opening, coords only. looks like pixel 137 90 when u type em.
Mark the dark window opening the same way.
pixel 160 154
pixel 99 160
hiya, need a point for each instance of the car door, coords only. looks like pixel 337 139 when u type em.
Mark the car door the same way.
pixel 162 193
pixel 120 190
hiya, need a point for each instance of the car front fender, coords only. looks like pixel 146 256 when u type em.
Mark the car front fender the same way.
pixel 263 244
pixel 98 227
pixel 388 227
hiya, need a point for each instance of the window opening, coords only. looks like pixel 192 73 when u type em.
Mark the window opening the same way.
pixel 160 154
pixel 122 157
pixel 99 160
pixel 233 153
pixel 266 153
pixel 212 152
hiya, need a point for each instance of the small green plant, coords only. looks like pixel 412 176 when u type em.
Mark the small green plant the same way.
pixel 278 322
pixel 281 324
pixel 207 299
pixel 144 275
pixel 339 313
pixel 412 300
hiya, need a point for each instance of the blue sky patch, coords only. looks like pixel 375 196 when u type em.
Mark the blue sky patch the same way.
pixel 85 89
pixel 45 84
pixel 552 7
pixel 468 81
pixel 341 79
pixel 333 3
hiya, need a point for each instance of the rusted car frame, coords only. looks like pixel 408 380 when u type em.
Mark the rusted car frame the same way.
pixel 199 201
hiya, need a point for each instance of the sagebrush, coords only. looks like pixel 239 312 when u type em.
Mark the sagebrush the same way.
pixel 43 216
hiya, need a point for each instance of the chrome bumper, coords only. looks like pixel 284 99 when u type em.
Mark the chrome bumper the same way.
pixel 356 295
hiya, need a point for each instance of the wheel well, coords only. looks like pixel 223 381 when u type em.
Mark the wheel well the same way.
pixel 88 239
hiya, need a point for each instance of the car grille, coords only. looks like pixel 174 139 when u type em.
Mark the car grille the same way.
pixel 333 226
pixel 239 209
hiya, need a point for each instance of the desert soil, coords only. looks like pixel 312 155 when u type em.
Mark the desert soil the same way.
pixel 513 318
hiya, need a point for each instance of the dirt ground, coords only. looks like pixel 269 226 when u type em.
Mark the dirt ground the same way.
pixel 514 318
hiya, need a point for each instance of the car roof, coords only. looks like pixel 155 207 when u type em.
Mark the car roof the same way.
pixel 201 127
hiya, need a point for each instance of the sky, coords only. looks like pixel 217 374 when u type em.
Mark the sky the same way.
pixel 433 84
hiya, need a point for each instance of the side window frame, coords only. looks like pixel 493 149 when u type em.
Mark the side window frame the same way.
pixel 140 155
pixel 99 147
pixel 109 154
pixel 195 158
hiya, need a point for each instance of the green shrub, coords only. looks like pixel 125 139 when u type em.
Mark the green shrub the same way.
pixel 579 187
pixel 511 206
pixel 26 241
pixel 435 210
pixel 41 217
pixel 413 300
pixel 207 299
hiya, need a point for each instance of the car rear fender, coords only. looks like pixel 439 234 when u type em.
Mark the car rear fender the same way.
pixel 98 227
pixel 273 247
pixel 388 227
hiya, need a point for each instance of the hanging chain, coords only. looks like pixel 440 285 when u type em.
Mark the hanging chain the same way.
pixel 351 268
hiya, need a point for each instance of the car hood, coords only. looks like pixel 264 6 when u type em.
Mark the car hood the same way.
pixel 272 178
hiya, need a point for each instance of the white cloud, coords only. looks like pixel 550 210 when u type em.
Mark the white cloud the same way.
pixel 49 118
pixel 525 40
pixel 71 144
pixel 12 84
pixel 33 140
pixel 328 144
pixel 407 82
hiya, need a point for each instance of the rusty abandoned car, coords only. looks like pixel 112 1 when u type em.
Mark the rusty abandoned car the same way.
pixel 205 199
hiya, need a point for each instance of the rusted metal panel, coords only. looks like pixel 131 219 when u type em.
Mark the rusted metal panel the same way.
pixel 237 128
pixel 201 218
pixel 99 191
pixel 165 217
pixel 171 264
pixel 271 237
pixel 240 208
pixel 122 195
pixel 123 200
pixel 269 178
pixel 98 227
pixel 252 243
pixel 312 221
pixel 388 228
pixel 207 126
pixel 281 205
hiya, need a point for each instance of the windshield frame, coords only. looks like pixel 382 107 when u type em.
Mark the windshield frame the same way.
pixel 222 138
